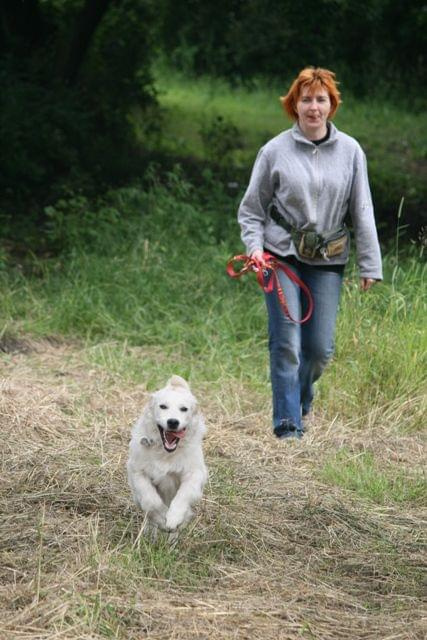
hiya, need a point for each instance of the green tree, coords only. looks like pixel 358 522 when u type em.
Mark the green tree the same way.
pixel 369 43
pixel 70 71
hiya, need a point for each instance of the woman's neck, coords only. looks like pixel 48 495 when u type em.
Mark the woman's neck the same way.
pixel 313 133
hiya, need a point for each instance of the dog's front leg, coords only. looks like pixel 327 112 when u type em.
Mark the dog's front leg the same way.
pixel 189 492
pixel 147 497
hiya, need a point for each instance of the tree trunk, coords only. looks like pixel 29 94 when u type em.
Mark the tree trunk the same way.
pixel 87 22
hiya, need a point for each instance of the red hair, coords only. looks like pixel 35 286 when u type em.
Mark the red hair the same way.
pixel 311 78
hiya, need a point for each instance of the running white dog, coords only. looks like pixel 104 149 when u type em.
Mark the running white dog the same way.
pixel 166 469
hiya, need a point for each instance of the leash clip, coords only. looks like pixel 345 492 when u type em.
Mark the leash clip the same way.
pixel 324 253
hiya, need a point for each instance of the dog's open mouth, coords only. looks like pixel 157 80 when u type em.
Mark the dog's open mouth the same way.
pixel 170 439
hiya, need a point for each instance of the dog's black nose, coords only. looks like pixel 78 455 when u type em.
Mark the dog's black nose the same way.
pixel 172 423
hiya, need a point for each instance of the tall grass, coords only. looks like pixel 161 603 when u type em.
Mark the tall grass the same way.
pixel 382 349
pixel 159 281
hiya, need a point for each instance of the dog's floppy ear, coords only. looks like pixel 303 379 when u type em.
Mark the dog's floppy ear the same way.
pixel 177 381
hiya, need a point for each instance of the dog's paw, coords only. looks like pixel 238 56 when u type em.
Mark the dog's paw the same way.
pixel 173 521
pixel 158 518
pixel 151 531
pixel 176 518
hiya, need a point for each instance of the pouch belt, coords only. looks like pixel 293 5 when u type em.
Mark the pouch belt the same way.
pixel 307 242
pixel 279 219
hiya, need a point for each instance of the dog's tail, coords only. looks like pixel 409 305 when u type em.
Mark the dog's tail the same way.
pixel 177 381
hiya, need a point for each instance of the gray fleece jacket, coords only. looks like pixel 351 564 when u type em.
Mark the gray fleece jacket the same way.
pixel 313 187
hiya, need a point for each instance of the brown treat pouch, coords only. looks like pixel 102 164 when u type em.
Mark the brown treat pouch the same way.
pixel 336 245
pixel 311 245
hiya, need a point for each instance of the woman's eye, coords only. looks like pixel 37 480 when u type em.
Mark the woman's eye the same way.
pixel 163 406
pixel 184 409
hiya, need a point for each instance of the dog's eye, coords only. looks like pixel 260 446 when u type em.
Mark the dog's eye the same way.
pixel 162 406
pixel 183 408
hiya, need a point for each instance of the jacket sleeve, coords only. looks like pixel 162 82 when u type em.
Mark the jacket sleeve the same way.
pixel 254 205
pixel 362 215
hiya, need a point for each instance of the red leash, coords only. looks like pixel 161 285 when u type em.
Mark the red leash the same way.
pixel 273 265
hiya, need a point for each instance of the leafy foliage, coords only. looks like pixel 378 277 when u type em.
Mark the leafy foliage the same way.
pixel 220 138
pixel 64 105
pixel 78 107
pixel 371 44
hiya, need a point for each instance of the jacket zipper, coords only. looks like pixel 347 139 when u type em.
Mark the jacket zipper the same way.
pixel 315 153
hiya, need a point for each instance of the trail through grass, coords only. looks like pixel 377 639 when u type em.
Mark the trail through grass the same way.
pixel 285 543
pixel 319 538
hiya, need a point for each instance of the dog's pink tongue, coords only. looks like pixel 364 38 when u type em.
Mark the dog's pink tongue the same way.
pixel 171 436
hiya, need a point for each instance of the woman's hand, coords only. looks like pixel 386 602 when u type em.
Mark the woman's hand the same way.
pixel 366 283
pixel 258 257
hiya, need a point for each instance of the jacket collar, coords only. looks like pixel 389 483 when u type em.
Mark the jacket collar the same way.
pixel 298 135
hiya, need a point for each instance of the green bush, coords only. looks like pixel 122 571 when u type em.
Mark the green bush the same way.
pixel 220 138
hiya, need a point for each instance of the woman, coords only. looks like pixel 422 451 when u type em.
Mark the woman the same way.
pixel 304 182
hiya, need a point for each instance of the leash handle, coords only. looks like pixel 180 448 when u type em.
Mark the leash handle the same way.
pixel 261 272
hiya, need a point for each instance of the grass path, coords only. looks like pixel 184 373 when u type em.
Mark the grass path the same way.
pixel 277 549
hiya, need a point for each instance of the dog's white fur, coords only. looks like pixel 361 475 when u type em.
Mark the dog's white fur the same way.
pixel 166 481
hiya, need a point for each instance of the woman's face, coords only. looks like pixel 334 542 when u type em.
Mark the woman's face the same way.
pixel 313 108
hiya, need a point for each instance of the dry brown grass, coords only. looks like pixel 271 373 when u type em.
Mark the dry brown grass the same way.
pixel 273 552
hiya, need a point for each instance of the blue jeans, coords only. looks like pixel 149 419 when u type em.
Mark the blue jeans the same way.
pixel 299 353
